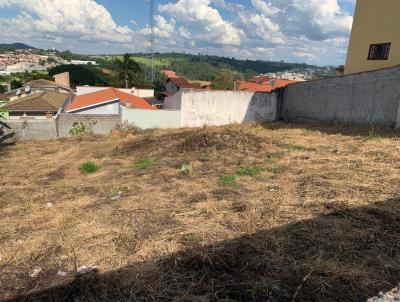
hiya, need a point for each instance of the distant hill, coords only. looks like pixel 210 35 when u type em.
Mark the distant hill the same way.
pixel 15 46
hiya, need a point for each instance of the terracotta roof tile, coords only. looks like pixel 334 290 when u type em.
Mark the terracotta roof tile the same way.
pixel 46 101
pixel 104 96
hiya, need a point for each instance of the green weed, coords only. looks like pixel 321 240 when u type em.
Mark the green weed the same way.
pixel 227 180
pixel 144 163
pixel 249 171
pixel 89 167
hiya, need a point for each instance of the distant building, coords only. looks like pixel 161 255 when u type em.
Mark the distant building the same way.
pixel 375 40
pixel 267 86
pixel 46 85
pixel 81 62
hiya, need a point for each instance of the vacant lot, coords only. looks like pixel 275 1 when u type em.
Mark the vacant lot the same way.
pixel 240 213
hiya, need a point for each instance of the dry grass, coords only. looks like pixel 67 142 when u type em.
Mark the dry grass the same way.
pixel 323 208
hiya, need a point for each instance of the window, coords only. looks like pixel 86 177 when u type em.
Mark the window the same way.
pixel 379 51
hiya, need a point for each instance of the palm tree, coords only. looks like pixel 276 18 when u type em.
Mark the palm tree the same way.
pixel 126 68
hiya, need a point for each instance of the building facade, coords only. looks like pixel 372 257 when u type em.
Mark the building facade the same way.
pixel 375 41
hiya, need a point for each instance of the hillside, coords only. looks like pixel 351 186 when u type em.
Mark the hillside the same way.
pixel 237 213
pixel 15 46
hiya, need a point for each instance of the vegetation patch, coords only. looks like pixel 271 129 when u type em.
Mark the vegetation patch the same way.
pixel 249 171
pixel 88 167
pixel 186 168
pixel 227 181
pixel 144 163
pixel 297 147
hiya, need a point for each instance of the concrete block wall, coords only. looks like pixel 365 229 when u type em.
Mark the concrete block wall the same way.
pixel 103 123
pixel 34 129
pixel 370 98
pixel 216 108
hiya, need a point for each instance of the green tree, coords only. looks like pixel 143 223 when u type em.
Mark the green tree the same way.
pixel 15 84
pixel 223 80
pixel 127 70
pixel 79 75
pixel 2 89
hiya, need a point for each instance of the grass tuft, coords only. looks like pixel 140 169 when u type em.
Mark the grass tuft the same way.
pixel 297 147
pixel 249 171
pixel 88 167
pixel 144 163
pixel 227 181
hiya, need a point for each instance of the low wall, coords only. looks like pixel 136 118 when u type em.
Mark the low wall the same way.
pixel 150 119
pixel 33 129
pixel 370 98
pixel 215 108
pixel 103 124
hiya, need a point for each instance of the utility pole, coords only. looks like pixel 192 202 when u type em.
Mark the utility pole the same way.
pixel 151 41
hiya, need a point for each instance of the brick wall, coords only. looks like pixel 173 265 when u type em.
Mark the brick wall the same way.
pixel 103 124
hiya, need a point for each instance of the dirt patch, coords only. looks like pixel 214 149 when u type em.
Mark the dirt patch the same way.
pixel 228 139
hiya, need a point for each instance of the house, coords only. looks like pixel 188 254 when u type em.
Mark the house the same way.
pixel 105 101
pixel 201 84
pixel 47 85
pixel 43 104
pixel 173 85
pixel 375 41
pixel 267 86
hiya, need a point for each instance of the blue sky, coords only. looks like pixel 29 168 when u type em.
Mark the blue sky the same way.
pixel 312 31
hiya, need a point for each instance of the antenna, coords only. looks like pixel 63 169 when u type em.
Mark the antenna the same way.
pixel 151 41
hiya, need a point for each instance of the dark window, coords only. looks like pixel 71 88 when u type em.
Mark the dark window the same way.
pixel 379 51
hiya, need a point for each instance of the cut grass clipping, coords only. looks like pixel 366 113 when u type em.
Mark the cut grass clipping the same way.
pixel 144 163
pixel 249 171
pixel 88 167
pixel 227 180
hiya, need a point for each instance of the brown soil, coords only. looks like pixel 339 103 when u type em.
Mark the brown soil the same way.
pixel 319 223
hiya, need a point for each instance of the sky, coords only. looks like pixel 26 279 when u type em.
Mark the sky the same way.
pixel 310 31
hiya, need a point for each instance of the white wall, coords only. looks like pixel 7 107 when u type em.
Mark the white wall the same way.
pixel 173 102
pixel 110 108
pixel 202 107
pixel 88 89
pixel 150 119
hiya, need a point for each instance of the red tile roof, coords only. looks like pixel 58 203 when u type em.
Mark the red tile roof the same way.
pixel 169 74
pixel 260 79
pixel 263 87
pixel 251 86
pixel 183 83
pixel 105 96
pixel 132 100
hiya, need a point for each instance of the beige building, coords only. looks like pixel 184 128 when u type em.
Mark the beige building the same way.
pixel 375 38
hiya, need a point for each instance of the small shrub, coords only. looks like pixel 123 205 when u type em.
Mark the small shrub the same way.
pixel 144 163
pixel 249 171
pixel 227 180
pixel 186 168
pixel 88 167
pixel 80 128
pixel 297 147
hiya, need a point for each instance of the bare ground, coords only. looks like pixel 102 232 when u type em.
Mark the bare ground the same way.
pixel 318 221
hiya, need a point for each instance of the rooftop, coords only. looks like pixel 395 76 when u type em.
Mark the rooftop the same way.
pixel 46 101
pixel 105 96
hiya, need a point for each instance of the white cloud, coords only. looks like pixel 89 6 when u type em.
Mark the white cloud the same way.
pixel 204 19
pixel 81 19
